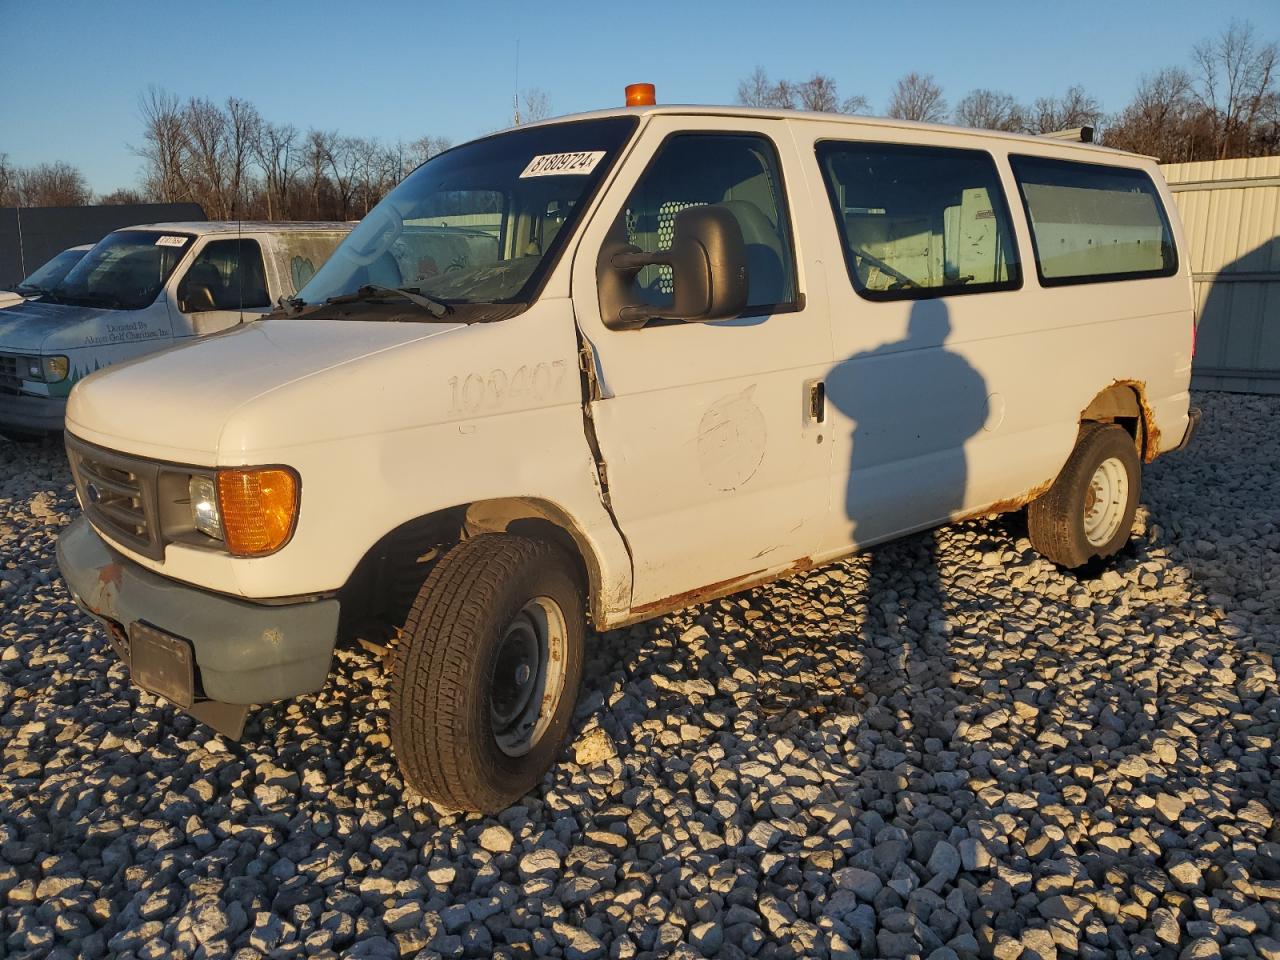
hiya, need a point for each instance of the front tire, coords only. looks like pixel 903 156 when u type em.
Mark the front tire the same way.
pixel 1088 512
pixel 486 675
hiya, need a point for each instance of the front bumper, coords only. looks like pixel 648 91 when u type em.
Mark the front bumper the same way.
pixel 244 652
pixel 32 414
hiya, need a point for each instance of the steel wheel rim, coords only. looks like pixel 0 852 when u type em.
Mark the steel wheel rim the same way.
pixel 1105 501
pixel 528 676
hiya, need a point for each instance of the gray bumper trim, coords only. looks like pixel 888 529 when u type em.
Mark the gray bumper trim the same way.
pixel 245 652
pixel 1193 424
pixel 43 414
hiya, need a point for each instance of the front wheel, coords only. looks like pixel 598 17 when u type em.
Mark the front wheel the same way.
pixel 1088 512
pixel 486 675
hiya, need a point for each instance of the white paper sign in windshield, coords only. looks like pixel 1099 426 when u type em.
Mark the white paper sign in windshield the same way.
pixel 168 241
pixel 562 164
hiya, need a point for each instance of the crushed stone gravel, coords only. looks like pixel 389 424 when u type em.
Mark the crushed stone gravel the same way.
pixel 943 748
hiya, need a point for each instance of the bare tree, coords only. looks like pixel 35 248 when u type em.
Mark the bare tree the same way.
pixel 57 184
pixel 855 104
pixel 206 147
pixel 535 105
pixel 271 150
pixel 164 145
pixel 122 196
pixel 420 151
pixel 8 182
pixel 342 157
pixel 1237 84
pixel 1163 120
pixel 1076 108
pixel 918 97
pixel 990 110
pixel 756 90
pixel 820 92
pixel 242 125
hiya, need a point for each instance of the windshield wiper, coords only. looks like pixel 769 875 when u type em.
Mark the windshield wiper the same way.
pixel 376 291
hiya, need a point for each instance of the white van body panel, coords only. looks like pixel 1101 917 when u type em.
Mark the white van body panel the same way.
pixel 456 405
pixel 702 425
pixel 954 406
pixel 714 477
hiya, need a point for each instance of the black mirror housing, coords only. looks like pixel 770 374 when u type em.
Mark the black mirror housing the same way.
pixel 708 261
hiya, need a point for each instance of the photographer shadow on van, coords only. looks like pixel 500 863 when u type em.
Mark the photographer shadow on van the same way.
pixel 910 406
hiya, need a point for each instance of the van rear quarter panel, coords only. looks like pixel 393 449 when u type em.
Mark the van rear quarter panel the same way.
pixel 1042 353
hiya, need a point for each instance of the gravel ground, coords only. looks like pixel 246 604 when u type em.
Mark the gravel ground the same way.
pixel 944 748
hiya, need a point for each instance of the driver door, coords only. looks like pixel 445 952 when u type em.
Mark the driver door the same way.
pixel 224 285
pixel 714 451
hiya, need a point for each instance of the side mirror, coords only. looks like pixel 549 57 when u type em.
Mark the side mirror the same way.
pixel 708 261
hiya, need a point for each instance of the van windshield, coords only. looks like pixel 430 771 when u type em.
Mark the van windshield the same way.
pixel 482 223
pixel 124 271
pixel 47 276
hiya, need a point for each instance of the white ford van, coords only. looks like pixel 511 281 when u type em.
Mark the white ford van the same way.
pixel 595 369
pixel 141 289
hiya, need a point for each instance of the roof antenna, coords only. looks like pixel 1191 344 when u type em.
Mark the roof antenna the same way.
pixel 515 90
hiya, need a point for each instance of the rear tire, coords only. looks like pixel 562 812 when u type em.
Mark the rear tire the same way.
pixel 486 676
pixel 1088 512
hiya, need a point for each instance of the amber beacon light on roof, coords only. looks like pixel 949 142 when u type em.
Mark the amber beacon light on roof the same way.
pixel 641 95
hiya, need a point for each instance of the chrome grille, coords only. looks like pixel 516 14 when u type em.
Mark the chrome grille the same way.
pixel 118 494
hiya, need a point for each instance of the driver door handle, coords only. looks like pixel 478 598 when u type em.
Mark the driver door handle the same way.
pixel 815 401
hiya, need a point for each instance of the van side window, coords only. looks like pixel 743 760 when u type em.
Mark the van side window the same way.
pixel 226 275
pixel 920 221
pixel 299 255
pixel 737 172
pixel 1091 222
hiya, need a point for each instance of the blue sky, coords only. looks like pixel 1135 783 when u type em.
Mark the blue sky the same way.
pixel 71 72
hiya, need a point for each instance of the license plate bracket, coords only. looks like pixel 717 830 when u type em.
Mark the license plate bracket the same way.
pixel 162 664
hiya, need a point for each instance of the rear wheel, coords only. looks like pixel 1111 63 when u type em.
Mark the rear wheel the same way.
pixel 486 675
pixel 1088 512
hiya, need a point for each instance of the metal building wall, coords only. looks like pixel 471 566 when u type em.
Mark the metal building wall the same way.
pixel 1231 214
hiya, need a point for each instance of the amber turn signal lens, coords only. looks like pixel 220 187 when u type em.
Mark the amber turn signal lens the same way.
pixel 641 95
pixel 258 507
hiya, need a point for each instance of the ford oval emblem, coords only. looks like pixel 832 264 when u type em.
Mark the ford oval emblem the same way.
pixel 92 492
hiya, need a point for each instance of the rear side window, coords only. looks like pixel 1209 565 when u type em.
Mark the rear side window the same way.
pixel 919 221
pixel 1092 223
pixel 300 255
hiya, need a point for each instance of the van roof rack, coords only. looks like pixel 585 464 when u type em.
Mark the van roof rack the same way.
pixel 1079 134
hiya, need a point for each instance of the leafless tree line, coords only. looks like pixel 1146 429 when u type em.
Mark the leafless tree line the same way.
pixel 235 163
pixel 819 93
pixel 1226 105
pixel 44 185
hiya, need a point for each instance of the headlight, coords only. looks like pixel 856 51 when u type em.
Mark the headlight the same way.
pixel 55 369
pixel 46 369
pixel 204 506
pixel 253 511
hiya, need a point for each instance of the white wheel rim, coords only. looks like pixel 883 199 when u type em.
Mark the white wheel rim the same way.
pixel 1105 501
pixel 528 676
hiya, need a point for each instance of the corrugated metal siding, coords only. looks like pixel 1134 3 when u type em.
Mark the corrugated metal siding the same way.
pixel 1231 215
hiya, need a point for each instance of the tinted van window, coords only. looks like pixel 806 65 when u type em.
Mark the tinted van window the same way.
pixel 919 221
pixel 1091 222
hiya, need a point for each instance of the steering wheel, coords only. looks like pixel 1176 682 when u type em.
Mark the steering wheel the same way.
pixel 902 279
